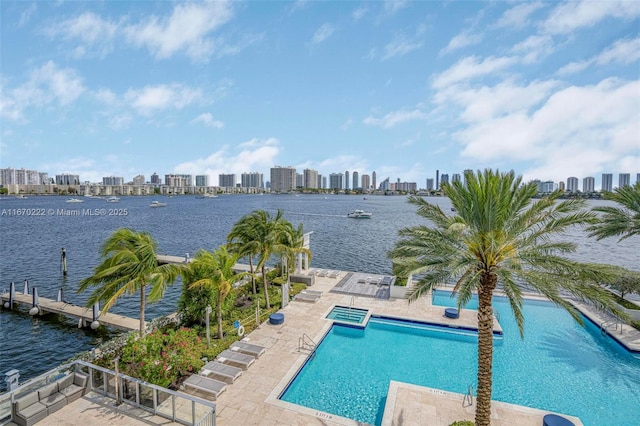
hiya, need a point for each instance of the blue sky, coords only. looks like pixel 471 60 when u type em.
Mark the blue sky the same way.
pixel 549 89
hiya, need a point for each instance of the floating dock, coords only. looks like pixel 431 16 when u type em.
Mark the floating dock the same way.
pixel 81 313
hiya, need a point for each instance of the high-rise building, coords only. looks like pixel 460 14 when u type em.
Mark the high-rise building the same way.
pixel 607 182
pixel 113 181
pixel 335 181
pixel 561 186
pixel 283 179
pixel 572 184
pixel 138 180
pixel 356 184
pixel 346 180
pixel 637 177
pixel 466 172
pixel 437 179
pixel 252 180
pixel 444 179
pixel 322 181
pixel 373 181
pixel 384 185
pixel 310 179
pixel 366 182
pixel 455 177
pixel 67 179
pixel 624 179
pixel 155 179
pixel 429 184
pixel 227 180
pixel 178 180
pixel 588 184
pixel 202 180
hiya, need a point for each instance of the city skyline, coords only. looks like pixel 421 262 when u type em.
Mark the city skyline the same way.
pixel 98 89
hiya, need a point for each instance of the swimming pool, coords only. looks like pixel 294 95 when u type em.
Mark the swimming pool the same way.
pixel 348 314
pixel 558 366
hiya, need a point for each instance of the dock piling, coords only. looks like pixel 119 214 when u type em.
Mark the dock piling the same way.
pixel 26 287
pixel 96 314
pixel 35 310
pixel 59 297
pixel 63 261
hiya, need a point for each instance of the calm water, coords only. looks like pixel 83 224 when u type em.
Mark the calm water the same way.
pixel 30 249
pixel 591 377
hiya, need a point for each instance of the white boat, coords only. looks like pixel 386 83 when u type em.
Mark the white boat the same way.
pixel 207 195
pixel 113 199
pixel 359 214
pixel 157 204
pixel 75 200
pixel 21 197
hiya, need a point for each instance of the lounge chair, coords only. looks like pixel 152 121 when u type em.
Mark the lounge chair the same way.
pixel 247 348
pixel 205 384
pixel 311 292
pixel 307 297
pixel 334 274
pixel 241 360
pixel 213 368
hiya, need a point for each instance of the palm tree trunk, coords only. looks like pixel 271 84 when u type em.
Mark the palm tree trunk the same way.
pixel 253 278
pixel 266 291
pixel 219 315
pixel 142 303
pixel 485 349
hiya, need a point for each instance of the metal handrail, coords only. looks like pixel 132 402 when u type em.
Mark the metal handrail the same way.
pixel 467 401
pixel 303 344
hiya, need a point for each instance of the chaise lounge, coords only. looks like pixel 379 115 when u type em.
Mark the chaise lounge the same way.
pixel 247 348
pixel 205 384
pixel 218 369
pixel 230 357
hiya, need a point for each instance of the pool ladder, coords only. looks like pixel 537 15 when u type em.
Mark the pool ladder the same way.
pixel 468 397
pixel 605 325
pixel 306 343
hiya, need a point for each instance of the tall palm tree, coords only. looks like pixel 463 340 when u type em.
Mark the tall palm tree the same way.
pixel 243 240
pixel 622 220
pixel 499 237
pixel 129 264
pixel 220 275
pixel 292 244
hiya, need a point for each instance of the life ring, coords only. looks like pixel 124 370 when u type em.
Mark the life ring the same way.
pixel 241 331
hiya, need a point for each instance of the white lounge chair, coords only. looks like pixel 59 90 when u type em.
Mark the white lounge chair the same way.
pixel 213 368
pixel 306 297
pixel 247 348
pixel 205 384
pixel 243 361
pixel 334 274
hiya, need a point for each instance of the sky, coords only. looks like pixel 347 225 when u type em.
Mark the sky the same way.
pixel 404 88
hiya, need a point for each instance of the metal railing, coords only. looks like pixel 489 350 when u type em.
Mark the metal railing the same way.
pixel 175 406
pixel 605 325
pixel 306 343
pixel 467 401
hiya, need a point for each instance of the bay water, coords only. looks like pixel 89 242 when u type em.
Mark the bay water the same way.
pixel 31 243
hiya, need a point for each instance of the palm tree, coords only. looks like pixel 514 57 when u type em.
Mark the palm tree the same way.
pixel 129 264
pixel 220 275
pixel 499 237
pixel 243 240
pixel 291 244
pixel 622 220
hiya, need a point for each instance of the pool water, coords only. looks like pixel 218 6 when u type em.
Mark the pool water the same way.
pixel 558 366
pixel 348 314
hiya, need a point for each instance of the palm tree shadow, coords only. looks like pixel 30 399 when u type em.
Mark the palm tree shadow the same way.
pixel 582 357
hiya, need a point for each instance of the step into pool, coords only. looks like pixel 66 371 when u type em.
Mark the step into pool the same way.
pixel 348 314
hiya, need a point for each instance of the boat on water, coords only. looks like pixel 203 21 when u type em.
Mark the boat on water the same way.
pixel 359 214
pixel 74 200
pixel 207 195
pixel 113 199
pixel 157 204
pixel 21 197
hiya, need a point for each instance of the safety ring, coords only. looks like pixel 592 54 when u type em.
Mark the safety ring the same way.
pixel 241 331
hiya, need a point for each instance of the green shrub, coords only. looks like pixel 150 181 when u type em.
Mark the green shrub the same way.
pixel 163 356
pixel 463 423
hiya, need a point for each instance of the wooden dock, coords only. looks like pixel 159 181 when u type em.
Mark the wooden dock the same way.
pixel 182 260
pixel 79 312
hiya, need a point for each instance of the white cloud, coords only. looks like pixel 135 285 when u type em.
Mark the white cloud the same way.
pixel 471 67
pixel 621 52
pixel 207 120
pixel 396 117
pixel 461 40
pixel 359 13
pixel 392 6
pixel 403 44
pixel 518 16
pixel 188 28
pixel 324 32
pixel 534 47
pixel 156 98
pixel 252 155
pixel 46 85
pixel 570 16
pixel 94 34
pixel 26 15
pixel 576 131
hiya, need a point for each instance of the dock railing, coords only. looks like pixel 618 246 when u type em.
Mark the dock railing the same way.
pixel 175 406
